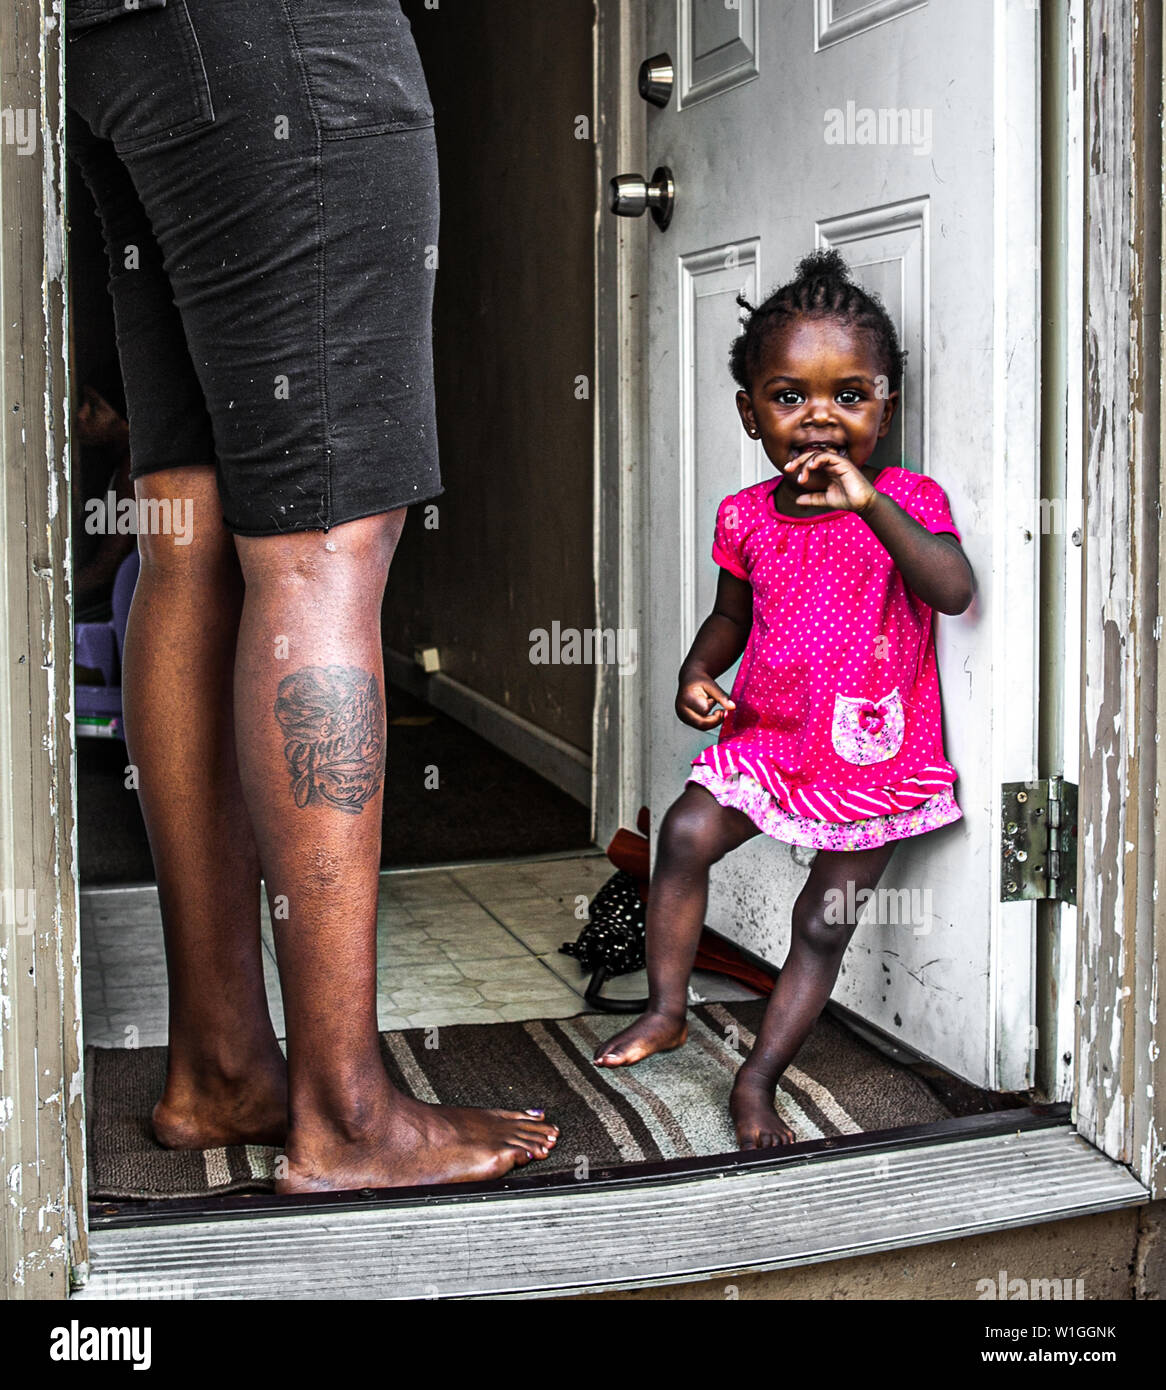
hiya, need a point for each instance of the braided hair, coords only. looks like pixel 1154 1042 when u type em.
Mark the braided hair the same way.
pixel 823 289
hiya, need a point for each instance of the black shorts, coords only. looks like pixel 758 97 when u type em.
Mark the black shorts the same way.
pixel 266 176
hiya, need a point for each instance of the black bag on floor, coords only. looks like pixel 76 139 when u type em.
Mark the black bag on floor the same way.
pixel 612 942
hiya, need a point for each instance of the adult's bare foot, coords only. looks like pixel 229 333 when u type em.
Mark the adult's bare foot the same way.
pixel 757 1123
pixel 412 1144
pixel 213 1110
pixel 651 1032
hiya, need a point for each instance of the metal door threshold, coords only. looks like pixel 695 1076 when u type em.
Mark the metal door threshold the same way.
pixel 110 1213
pixel 663 1228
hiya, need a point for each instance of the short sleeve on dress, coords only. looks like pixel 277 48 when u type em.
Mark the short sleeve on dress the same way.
pixel 927 503
pixel 728 536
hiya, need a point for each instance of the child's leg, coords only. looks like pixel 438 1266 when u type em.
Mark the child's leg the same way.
pixel 696 831
pixel 816 949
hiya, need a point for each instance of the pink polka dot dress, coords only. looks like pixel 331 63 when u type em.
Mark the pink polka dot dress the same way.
pixel 835 742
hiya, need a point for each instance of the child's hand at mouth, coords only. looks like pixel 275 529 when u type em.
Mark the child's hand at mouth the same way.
pixel 829 479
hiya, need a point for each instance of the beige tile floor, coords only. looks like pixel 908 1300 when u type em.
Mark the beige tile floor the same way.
pixel 464 944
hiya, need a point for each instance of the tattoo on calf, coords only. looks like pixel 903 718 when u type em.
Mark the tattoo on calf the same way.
pixel 334 721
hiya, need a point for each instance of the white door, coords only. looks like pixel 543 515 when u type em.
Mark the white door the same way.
pixel 903 132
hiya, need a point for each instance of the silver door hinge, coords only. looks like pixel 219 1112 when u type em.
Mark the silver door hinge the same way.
pixel 1038 842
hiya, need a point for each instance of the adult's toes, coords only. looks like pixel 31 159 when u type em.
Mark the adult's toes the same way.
pixel 526 1121
pixel 538 1134
pixel 531 1153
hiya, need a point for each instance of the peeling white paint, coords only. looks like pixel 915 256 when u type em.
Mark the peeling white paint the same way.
pixel 34 1160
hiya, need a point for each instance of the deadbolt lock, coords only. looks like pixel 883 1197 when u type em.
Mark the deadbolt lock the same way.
pixel 657 78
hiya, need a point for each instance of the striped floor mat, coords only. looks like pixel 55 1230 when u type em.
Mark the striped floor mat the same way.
pixel 670 1106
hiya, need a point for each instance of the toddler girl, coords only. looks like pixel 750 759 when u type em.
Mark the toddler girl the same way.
pixel 828 577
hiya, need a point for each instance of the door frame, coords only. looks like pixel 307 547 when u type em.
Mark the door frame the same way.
pixel 619 733
pixel 42 1141
pixel 1119 1101
pixel 1062 260
pixel 1120 1082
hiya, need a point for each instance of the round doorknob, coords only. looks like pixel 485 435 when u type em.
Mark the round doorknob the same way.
pixel 657 77
pixel 632 195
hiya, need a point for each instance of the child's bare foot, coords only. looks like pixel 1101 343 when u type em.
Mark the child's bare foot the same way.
pixel 413 1144
pixel 757 1123
pixel 651 1032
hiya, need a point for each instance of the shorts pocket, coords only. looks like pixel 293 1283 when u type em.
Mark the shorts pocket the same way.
pixel 362 67
pixel 867 731
pixel 85 14
pixel 140 81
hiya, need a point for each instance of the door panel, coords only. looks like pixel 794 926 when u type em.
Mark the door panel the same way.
pixel 717 45
pixel 709 427
pixel 905 135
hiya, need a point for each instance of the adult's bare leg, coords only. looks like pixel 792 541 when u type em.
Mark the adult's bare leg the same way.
pixel 310 715
pixel 226 1079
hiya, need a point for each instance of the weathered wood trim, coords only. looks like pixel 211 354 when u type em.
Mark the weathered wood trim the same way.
pixel 41 1129
pixel 1149 1110
pixel 1120 1091
pixel 1150 1115
pixel 620 774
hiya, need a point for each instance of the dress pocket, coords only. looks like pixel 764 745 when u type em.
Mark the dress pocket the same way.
pixel 867 731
